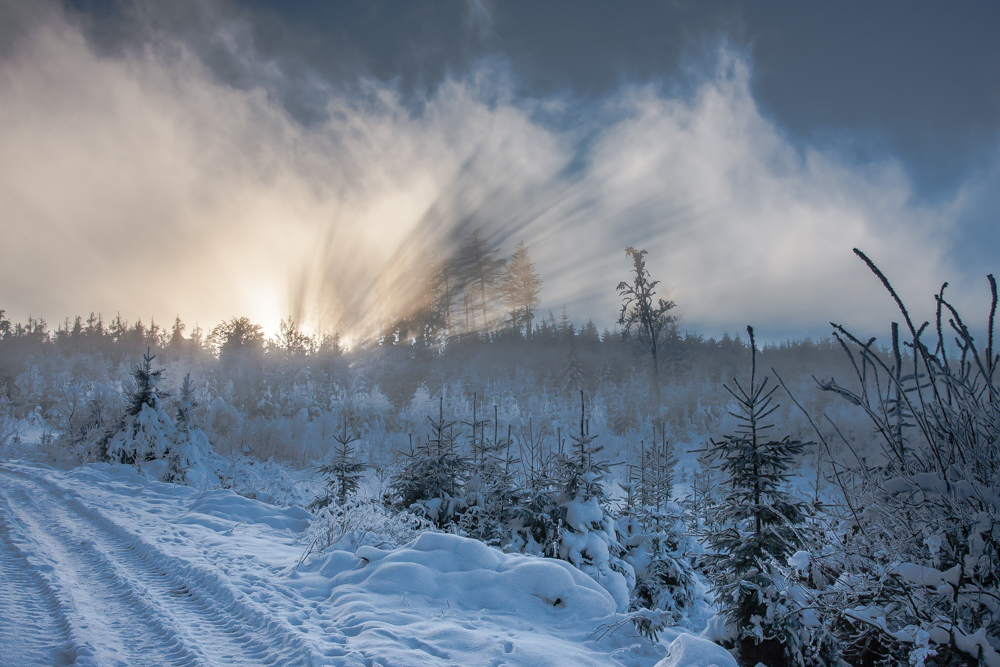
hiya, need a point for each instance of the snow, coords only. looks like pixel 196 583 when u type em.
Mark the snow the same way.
pixel 691 651
pixel 115 568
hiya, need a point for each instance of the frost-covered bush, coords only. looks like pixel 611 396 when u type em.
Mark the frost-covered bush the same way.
pixel 223 418
pixel 89 415
pixel 8 425
pixel 921 527
pixel 268 481
pixel 362 522
pixel 362 405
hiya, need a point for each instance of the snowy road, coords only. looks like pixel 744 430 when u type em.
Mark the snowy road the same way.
pixel 100 566
pixel 79 587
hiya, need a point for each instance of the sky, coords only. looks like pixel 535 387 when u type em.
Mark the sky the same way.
pixel 224 158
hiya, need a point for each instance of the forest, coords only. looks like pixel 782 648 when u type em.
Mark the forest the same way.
pixel 833 500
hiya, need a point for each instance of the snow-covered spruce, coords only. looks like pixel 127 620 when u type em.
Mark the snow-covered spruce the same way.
pixel 758 531
pixel 431 484
pixel 190 446
pixel 652 531
pixel 588 539
pixel 147 432
pixel 343 472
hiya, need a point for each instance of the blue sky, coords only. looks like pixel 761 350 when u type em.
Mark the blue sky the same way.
pixel 267 158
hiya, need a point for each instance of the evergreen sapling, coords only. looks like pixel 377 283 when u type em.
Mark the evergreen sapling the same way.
pixel 758 529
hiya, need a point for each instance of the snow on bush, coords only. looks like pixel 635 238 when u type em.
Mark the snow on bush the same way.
pixel 362 522
pixel 920 569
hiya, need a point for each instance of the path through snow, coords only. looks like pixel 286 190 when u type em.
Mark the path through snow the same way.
pixel 99 566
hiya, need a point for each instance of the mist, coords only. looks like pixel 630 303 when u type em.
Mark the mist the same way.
pixel 139 181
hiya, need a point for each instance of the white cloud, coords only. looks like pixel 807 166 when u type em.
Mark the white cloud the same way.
pixel 140 183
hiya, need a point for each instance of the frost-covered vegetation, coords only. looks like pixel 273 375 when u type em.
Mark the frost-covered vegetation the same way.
pixel 854 519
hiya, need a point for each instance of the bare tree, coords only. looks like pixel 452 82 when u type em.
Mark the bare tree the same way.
pixel 640 315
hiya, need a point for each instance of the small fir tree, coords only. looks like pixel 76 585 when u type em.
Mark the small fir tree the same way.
pixel 343 473
pixel 588 538
pixel 538 517
pixel 491 492
pixel 758 533
pixel 147 432
pixel 651 531
pixel 190 444
pixel 432 482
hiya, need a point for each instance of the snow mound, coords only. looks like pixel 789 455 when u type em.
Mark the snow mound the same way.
pixel 209 506
pixel 690 651
pixel 445 599
pixel 470 575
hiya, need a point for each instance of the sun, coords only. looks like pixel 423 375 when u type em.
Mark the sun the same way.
pixel 265 307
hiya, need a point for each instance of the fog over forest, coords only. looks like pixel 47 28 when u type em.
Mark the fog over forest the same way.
pixel 496 333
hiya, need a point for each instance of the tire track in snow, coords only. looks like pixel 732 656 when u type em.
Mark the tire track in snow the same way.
pixel 151 608
pixel 33 630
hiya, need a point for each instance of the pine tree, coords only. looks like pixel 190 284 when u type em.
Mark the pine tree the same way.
pixel 343 473
pixel 651 531
pixel 588 538
pixel 520 287
pixel 479 268
pixel 571 375
pixel 432 482
pixel 491 491
pixel 147 432
pixel 538 515
pixel 177 341
pixel 145 394
pixel 758 534
pixel 190 443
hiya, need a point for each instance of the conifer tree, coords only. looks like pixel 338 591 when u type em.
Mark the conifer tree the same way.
pixel 479 268
pixel 343 473
pixel 520 287
pixel 539 520
pixel 190 443
pixel 491 491
pixel 758 533
pixel 177 334
pixel 650 529
pixel 147 432
pixel 588 538
pixel 571 374
pixel 432 481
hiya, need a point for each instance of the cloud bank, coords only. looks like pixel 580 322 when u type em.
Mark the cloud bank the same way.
pixel 140 182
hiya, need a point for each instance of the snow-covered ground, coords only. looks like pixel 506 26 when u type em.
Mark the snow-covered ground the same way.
pixel 100 566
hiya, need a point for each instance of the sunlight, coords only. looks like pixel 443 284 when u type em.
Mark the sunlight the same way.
pixel 264 307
